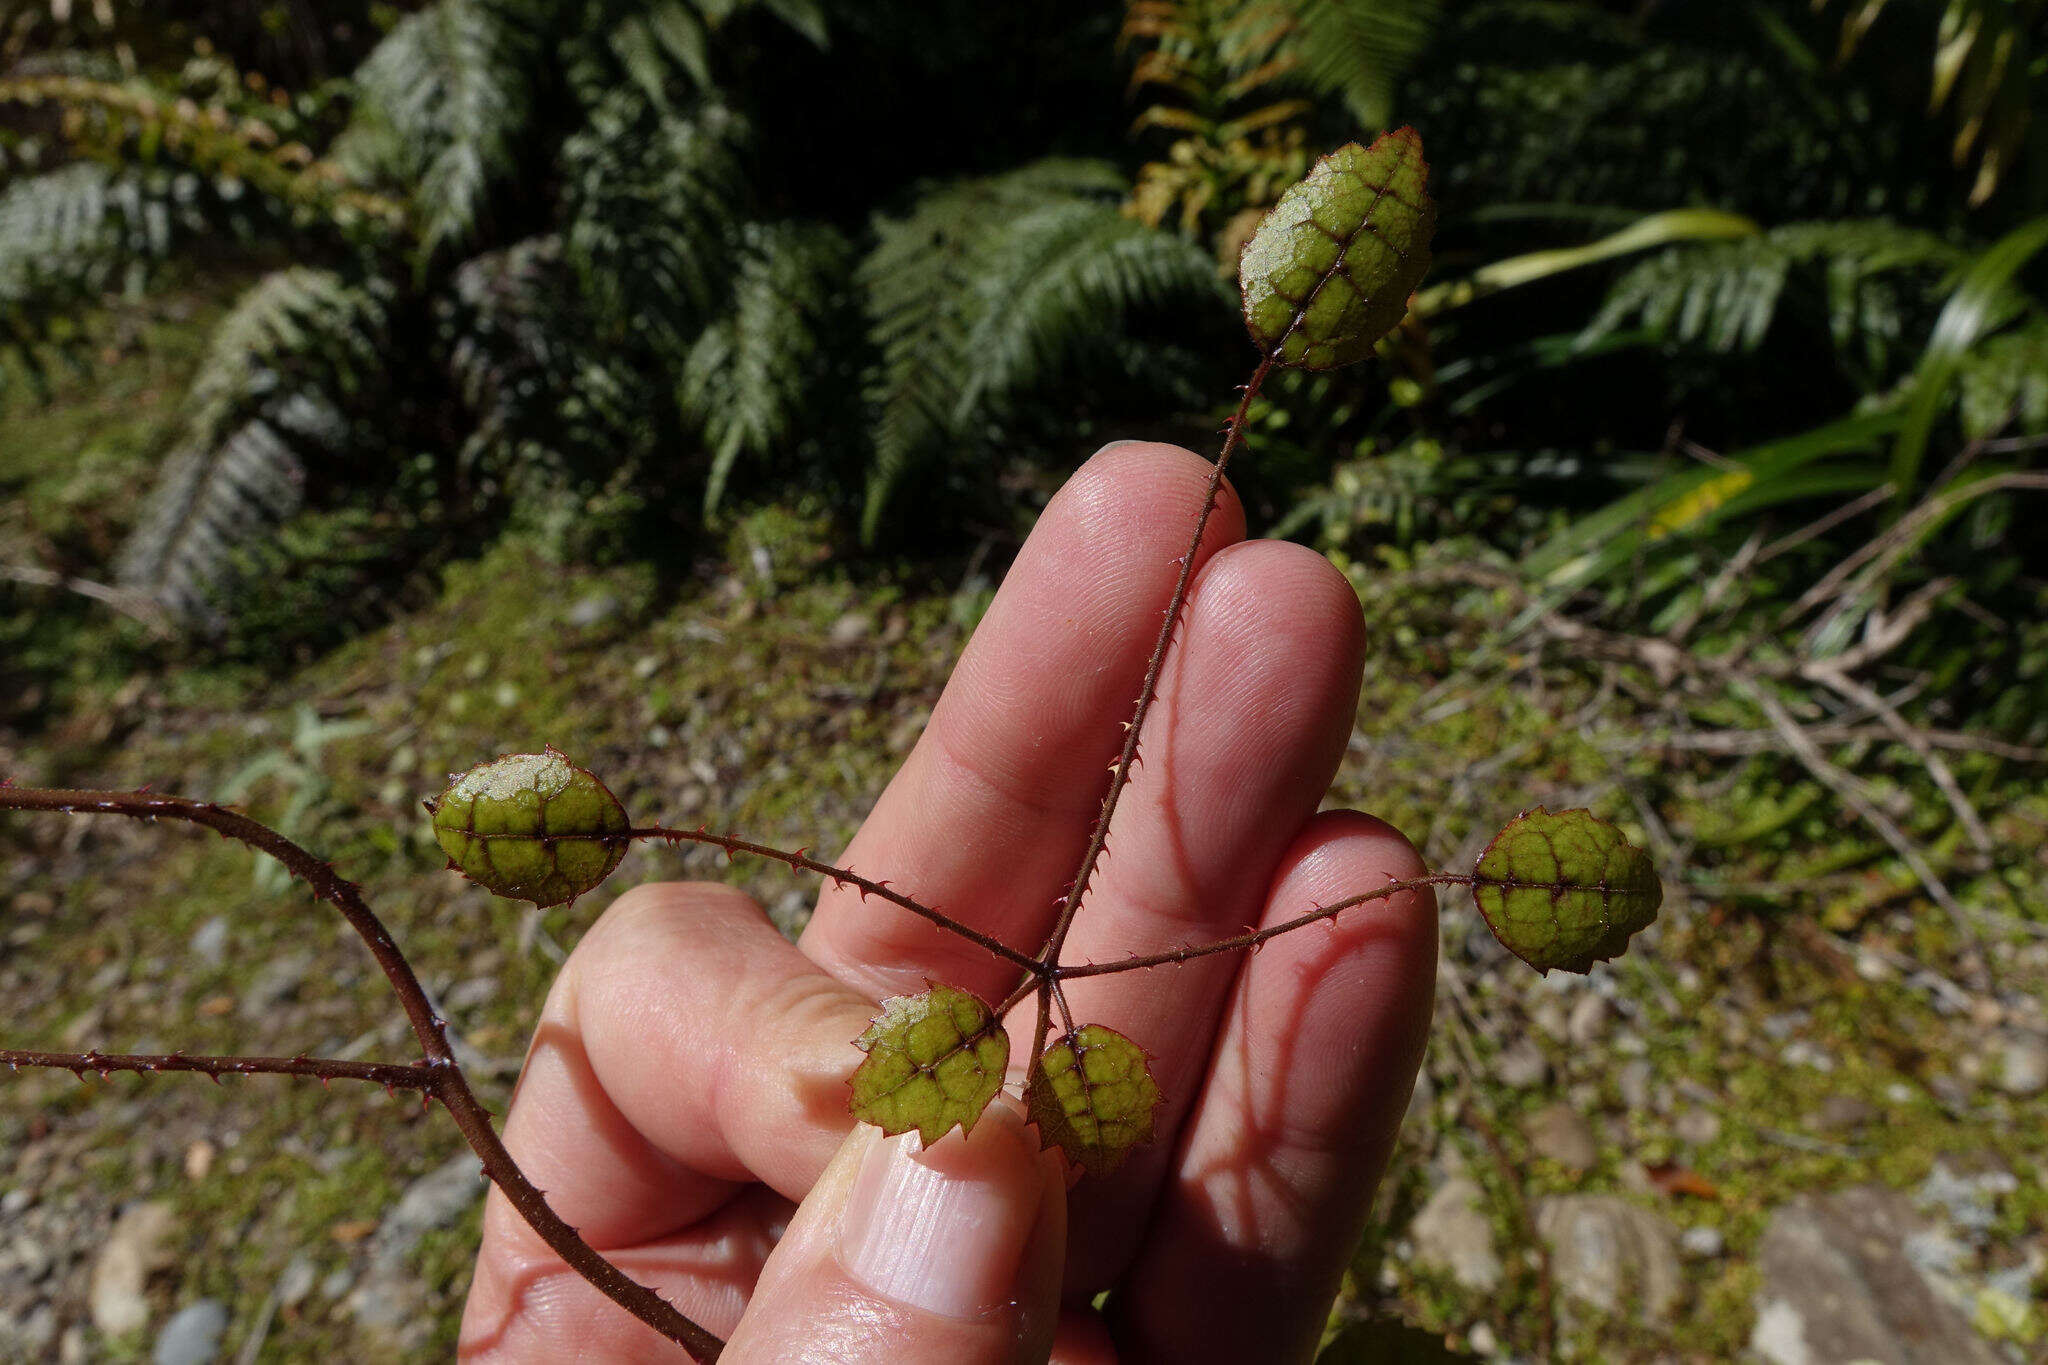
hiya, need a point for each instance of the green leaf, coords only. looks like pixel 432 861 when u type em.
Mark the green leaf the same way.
pixel 1092 1096
pixel 1981 302
pixel 1565 889
pixel 934 1062
pixel 531 827
pixel 1330 269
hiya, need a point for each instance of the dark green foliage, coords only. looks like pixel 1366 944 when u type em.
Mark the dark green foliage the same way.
pixel 296 354
pixel 991 289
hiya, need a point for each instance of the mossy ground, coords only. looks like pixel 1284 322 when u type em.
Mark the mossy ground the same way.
pixel 773 694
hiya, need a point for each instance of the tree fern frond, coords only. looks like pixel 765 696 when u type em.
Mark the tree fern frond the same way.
pixel 294 349
pixel 1063 275
pixel 748 374
pixel 526 367
pixel 446 100
pixel 72 233
pixel 1725 295
pixel 1358 50
pixel 989 285
pixel 653 206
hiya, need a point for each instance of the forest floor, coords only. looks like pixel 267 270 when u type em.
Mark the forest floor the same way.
pixel 1667 1160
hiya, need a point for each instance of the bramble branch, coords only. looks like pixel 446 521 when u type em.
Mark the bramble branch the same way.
pixel 1149 692
pixel 1258 939
pixel 442 1076
pixel 391 1075
pixel 803 862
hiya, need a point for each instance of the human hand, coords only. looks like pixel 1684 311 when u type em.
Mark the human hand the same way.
pixel 684 1102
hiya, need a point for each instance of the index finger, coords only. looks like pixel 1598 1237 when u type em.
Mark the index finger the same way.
pixel 990 813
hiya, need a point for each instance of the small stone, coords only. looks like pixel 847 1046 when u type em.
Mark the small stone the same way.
pixel 71 1347
pixel 1970 1201
pixel 31 1257
pixel 1633 1081
pixel 1589 1020
pixel 2023 1065
pixel 1843 1113
pixel 210 941
pixel 199 1159
pixel 1453 1233
pixel 1421 1101
pixel 1558 1132
pixel 136 1246
pixel 1549 1016
pixel 337 1283
pixel 1702 1244
pixel 389 1301
pixel 16 1201
pixel 1800 1052
pixel 852 628
pixel 1481 1341
pixel 296 1283
pixel 1522 1065
pixel 192 1337
pixel 276 983
pixel 1838 1285
pixel 34 1334
pixel 1698 1127
pixel 1607 1252
pixel 594 609
pixel 467 995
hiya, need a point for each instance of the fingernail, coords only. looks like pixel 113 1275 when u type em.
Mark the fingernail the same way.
pixel 943 1228
pixel 1126 441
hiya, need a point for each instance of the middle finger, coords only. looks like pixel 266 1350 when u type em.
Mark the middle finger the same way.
pixel 1253 714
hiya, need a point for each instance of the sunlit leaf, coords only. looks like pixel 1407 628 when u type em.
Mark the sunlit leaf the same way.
pixel 1092 1096
pixel 1565 889
pixel 1330 270
pixel 531 827
pixel 934 1062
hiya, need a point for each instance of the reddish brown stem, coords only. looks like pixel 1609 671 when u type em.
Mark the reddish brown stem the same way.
pixel 390 1075
pixel 448 1084
pixel 802 861
pixel 1149 692
pixel 1255 940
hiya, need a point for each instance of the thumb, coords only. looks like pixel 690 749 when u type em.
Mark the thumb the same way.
pixel 908 1255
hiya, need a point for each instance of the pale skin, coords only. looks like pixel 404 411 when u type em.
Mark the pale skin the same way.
pixel 684 1102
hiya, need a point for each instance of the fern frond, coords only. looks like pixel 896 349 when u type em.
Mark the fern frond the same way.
pixel 1725 295
pixel 72 233
pixel 2004 382
pixel 522 358
pixel 990 285
pixel 446 100
pixel 747 377
pixel 1063 275
pixel 1358 50
pixel 653 207
pixel 296 347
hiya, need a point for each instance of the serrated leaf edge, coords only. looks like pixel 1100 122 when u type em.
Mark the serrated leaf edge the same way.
pixel 873 1034
pixel 1427 211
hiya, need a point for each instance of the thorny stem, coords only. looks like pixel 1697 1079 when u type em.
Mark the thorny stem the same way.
pixel 439 1075
pixel 390 1075
pixel 1254 941
pixel 1149 692
pixel 802 861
